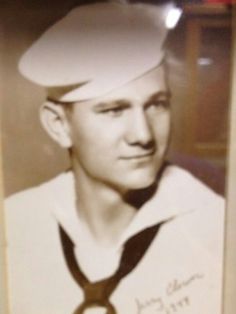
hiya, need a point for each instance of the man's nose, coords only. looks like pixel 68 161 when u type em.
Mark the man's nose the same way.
pixel 139 129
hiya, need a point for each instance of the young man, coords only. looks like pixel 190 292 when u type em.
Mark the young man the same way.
pixel 122 232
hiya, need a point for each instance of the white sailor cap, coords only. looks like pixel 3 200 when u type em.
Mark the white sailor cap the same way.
pixel 96 48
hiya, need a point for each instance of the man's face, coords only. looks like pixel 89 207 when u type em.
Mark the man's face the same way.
pixel 121 139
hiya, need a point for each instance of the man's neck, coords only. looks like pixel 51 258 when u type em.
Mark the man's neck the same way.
pixel 102 209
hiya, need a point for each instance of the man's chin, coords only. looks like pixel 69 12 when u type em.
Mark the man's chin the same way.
pixel 141 181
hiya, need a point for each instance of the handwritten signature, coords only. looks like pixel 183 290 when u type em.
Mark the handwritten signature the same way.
pixel 163 304
pixel 176 285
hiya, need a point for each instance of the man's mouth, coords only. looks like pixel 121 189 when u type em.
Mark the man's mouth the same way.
pixel 143 156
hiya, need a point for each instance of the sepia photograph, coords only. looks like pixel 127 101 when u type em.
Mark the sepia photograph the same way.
pixel 118 123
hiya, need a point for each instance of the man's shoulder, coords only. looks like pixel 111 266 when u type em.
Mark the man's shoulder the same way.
pixel 37 195
pixel 204 222
pixel 31 209
pixel 190 190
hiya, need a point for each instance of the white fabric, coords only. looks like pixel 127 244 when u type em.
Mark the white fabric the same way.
pixel 95 49
pixel 181 272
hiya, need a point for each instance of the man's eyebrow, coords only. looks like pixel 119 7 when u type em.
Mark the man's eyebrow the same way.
pixel 107 104
pixel 103 105
pixel 159 94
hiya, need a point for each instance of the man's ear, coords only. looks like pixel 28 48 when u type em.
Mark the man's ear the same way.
pixel 55 122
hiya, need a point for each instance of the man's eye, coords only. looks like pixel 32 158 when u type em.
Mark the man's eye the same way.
pixel 158 104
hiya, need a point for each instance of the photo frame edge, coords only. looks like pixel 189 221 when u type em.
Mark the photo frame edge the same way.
pixel 229 301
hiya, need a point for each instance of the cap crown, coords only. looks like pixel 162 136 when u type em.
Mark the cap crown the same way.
pixel 96 48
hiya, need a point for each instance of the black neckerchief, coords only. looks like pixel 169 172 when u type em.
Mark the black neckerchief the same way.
pixel 98 293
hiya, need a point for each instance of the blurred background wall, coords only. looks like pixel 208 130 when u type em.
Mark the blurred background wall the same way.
pixel 199 49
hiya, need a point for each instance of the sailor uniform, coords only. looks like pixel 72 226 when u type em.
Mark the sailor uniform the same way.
pixel 181 271
pixel 87 54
